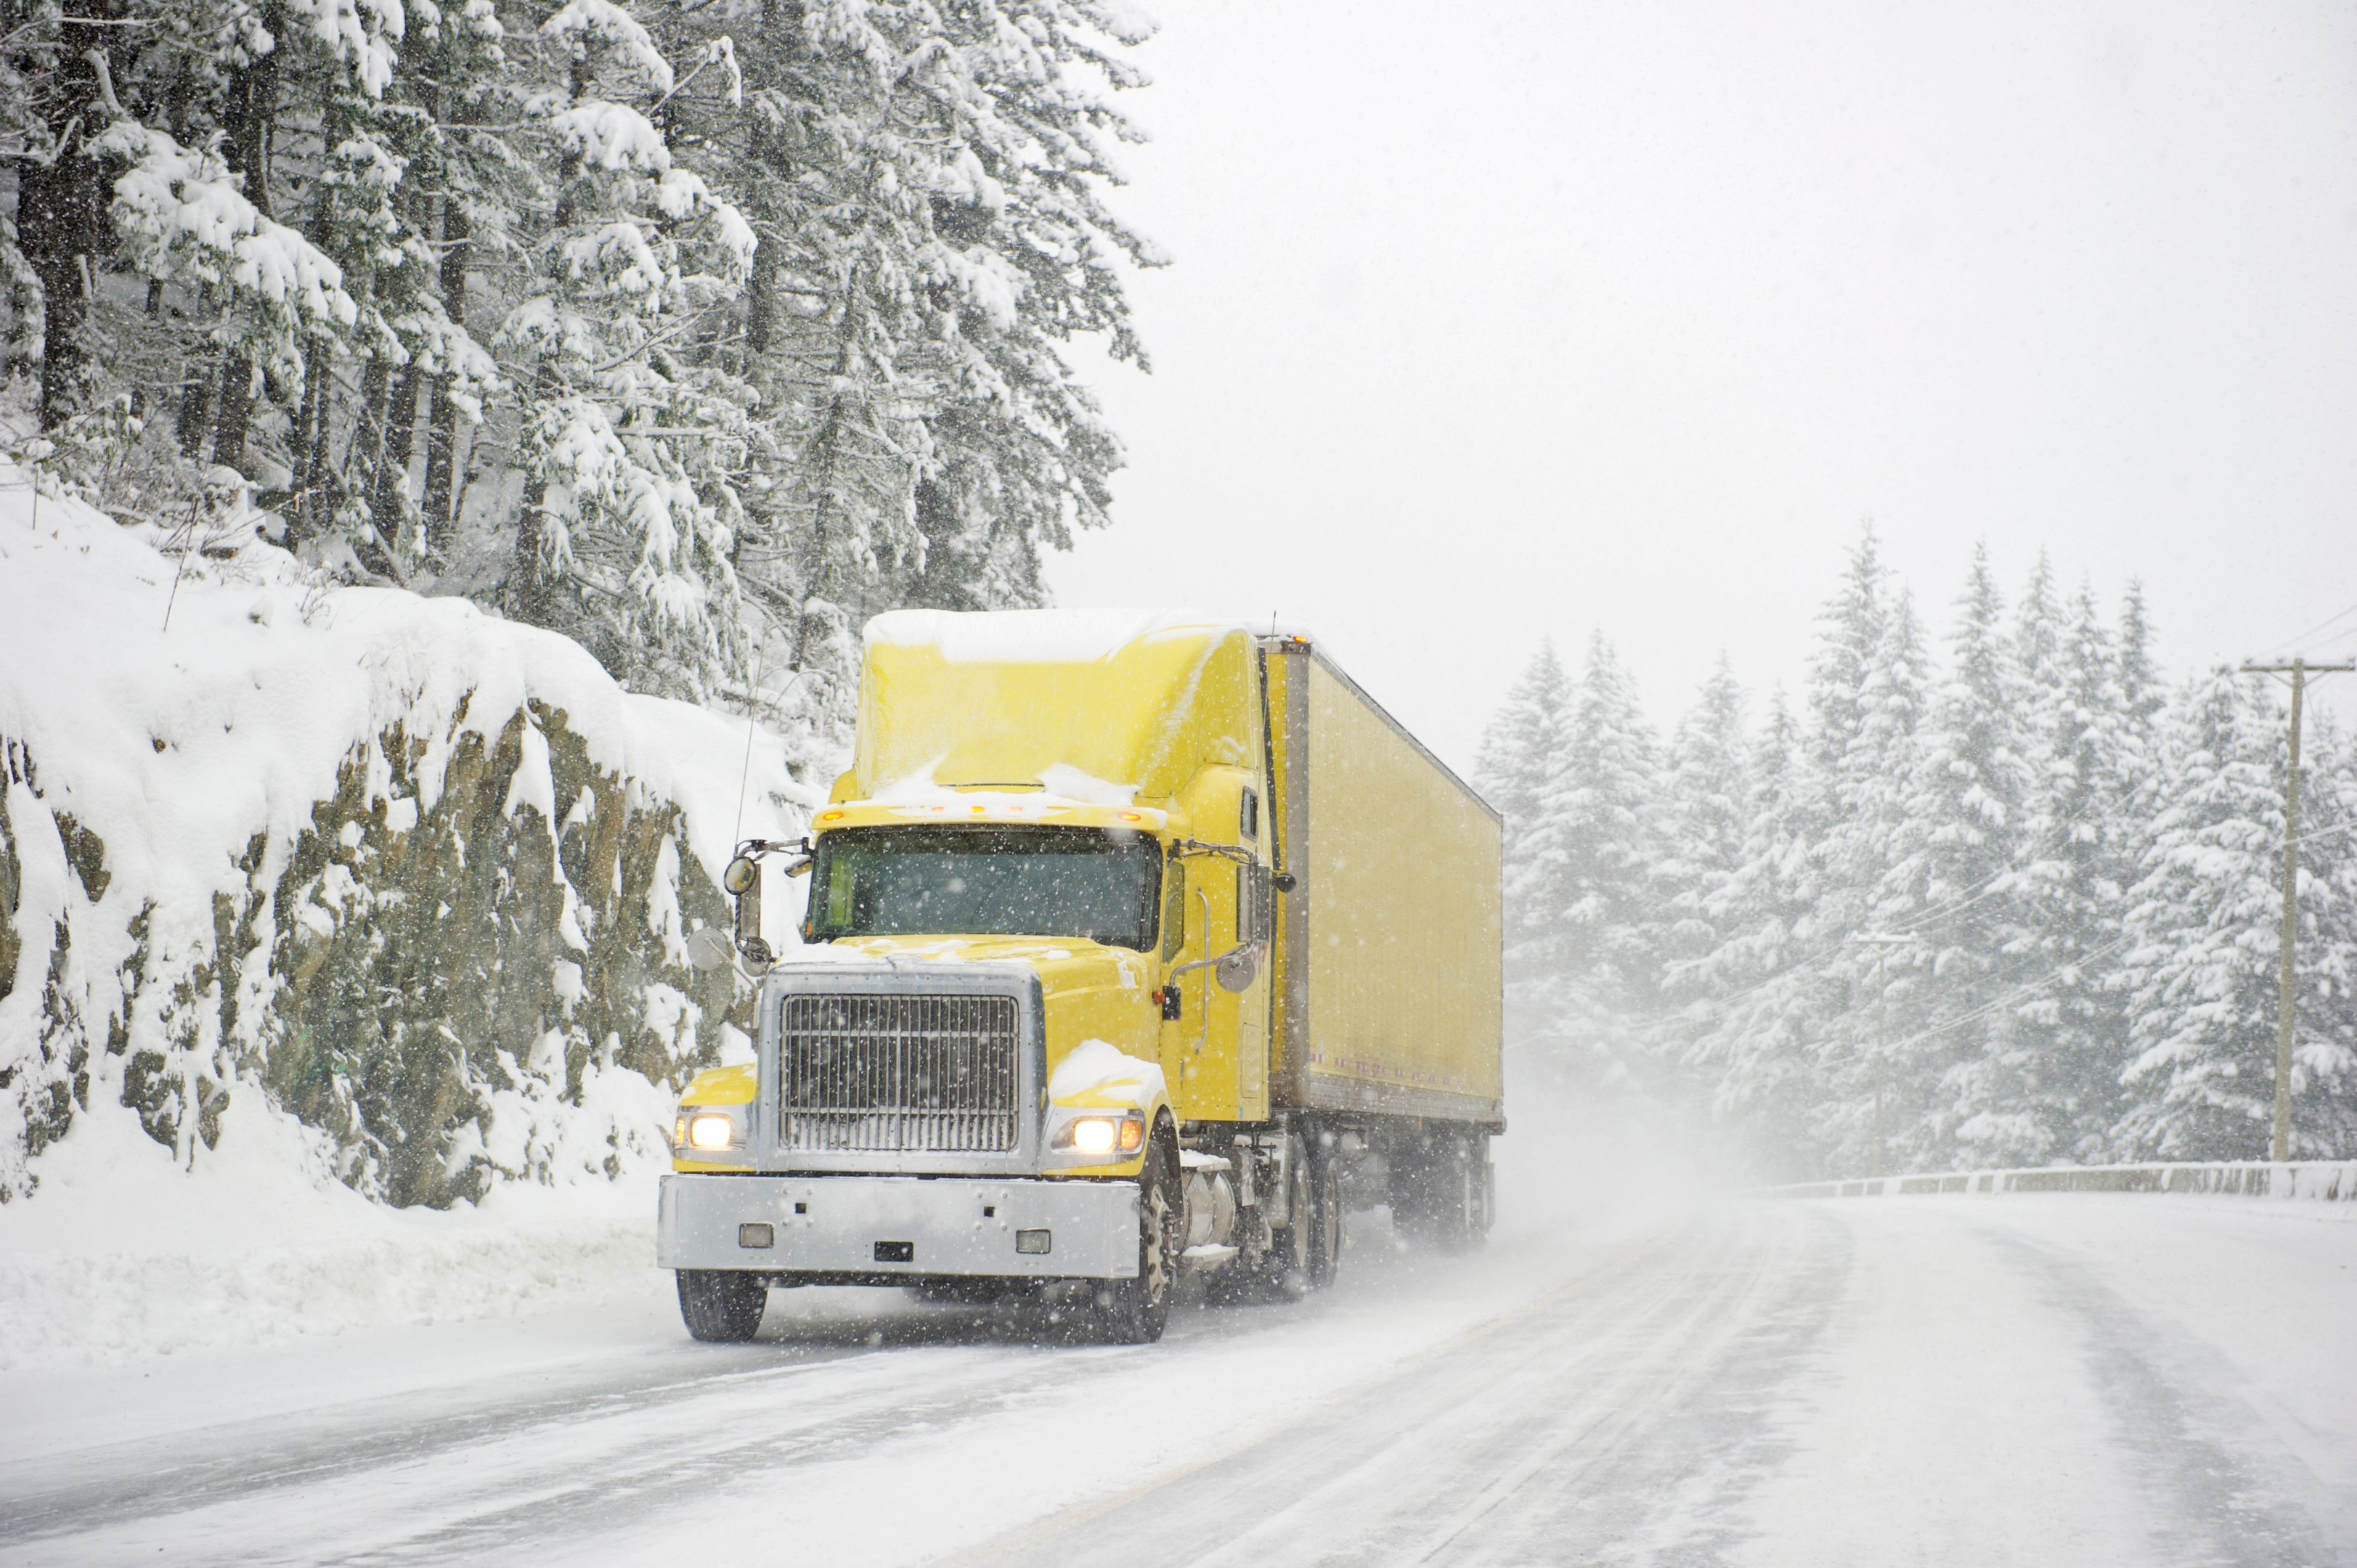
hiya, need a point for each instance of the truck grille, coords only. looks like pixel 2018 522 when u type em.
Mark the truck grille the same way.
pixel 899 1074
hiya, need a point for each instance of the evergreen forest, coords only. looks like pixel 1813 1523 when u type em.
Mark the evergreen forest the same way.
pixel 697 330
pixel 1998 896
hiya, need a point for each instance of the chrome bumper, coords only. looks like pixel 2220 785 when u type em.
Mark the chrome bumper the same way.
pixel 890 1226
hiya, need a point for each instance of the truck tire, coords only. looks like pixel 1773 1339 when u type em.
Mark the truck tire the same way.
pixel 722 1306
pixel 1134 1311
pixel 1325 1233
pixel 1282 1271
pixel 1439 1196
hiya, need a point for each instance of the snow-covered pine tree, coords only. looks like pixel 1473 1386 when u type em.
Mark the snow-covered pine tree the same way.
pixel 1953 888
pixel 1851 627
pixel 1030 252
pixel 2328 849
pixel 1518 750
pixel 2143 694
pixel 1591 973
pixel 1705 822
pixel 1706 819
pixel 926 184
pixel 1781 981
pixel 1742 1036
pixel 1883 1057
pixel 2069 895
pixel 2201 964
pixel 630 449
pixel 807 338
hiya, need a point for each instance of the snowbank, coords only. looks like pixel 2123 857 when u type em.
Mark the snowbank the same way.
pixel 123 1256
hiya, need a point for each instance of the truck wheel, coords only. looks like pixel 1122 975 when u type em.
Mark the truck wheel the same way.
pixel 1283 1271
pixel 1436 1194
pixel 1133 1312
pixel 1325 1220
pixel 722 1306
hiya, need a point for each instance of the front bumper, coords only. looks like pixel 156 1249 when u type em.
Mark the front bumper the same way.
pixel 846 1228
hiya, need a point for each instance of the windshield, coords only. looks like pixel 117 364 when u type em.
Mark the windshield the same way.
pixel 977 881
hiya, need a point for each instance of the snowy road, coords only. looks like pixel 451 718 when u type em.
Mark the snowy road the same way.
pixel 2080 1379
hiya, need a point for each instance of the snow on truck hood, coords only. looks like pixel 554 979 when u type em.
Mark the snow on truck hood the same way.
pixel 1061 961
pixel 1101 1076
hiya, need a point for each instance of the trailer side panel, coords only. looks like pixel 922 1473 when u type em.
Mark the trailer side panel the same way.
pixel 1390 963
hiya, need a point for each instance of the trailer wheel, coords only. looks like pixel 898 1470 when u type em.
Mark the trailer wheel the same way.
pixel 722 1306
pixel 1439 1192
pixel 1325 1220
pixel 1134 1311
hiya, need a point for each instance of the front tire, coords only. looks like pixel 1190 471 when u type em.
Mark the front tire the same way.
pixel 722 1306
pixel 1134 1311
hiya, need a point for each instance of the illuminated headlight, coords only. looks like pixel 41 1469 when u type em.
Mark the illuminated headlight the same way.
pixel 1102 1134
pixel 707 1129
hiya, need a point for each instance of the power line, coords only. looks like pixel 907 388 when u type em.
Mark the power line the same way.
pixel 2312 631
pixel 1985 888
pixel 2018 994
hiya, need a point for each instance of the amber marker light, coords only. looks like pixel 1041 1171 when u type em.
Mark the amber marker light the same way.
pixel 1132 817
pixel 830 816
pixel 1132 1136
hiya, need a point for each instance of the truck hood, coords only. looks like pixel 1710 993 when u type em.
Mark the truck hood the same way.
pixel 1064 964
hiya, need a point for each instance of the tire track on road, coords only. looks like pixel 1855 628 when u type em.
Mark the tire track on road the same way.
pixel 2198 1457
pixel 1484 1450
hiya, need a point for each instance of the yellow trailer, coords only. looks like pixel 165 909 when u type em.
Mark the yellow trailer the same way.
pixel 1126 940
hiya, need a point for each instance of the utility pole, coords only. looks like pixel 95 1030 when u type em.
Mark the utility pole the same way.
pixel 2299 669
pixel 1882 945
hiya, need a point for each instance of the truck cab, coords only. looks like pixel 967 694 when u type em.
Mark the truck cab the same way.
pixel 1031 1037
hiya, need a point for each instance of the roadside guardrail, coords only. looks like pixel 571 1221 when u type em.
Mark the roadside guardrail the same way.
pixel 2325 1180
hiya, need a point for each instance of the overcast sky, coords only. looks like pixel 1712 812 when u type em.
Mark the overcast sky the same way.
pixel 1497 322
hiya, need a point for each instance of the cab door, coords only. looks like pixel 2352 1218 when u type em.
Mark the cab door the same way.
pixel 1216 905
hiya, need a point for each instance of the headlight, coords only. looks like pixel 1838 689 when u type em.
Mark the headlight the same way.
pixel 1102 1134
pixel 700 1128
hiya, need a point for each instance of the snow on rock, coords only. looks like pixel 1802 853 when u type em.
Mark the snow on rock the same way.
pixel 354 886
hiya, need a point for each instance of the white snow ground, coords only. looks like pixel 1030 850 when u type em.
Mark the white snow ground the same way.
pixel 2068 1378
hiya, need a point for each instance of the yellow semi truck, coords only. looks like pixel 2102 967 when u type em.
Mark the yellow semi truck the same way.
pixel 1126 938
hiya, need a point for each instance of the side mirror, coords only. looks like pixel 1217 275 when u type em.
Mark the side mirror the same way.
pixel 1238 968
pixel 707 949
pixel 1284 882
pixel 743 882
